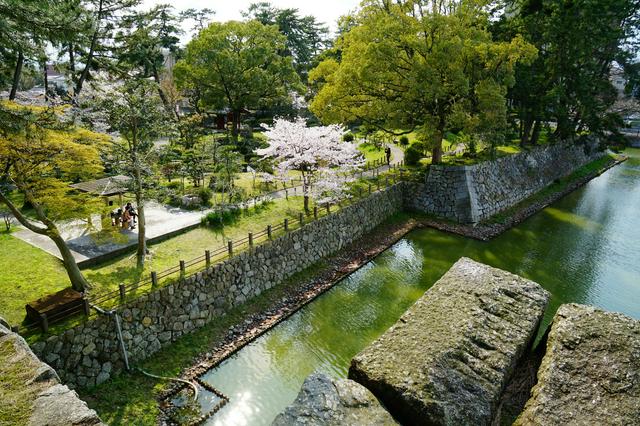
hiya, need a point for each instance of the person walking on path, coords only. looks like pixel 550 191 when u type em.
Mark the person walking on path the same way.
pixel 387 152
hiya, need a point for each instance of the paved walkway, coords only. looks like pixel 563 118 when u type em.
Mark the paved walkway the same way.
pixel 162 221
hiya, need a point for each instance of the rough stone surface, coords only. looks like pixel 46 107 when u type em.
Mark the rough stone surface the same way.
pixel 54 404
pixel 161 317
pixel 590 374
pixel 60 406
pixel 449 357
pixel 323 401
pixel 470 194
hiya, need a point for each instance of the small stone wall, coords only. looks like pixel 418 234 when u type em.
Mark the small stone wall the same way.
pixel 470 194
pixel 89 354
pixel 51 402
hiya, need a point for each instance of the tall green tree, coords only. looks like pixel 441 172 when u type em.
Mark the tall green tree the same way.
pixel 26 27
pixel 135 112
pixel 147 40
pixel 306 37
pixel 237 66
pixel 569 83
pixel 40 155
pixel 95 50
pixel 422 66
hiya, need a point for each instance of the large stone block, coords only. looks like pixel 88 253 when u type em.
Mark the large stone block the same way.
pixel 449 357
pixel 322 401
pixel 590 374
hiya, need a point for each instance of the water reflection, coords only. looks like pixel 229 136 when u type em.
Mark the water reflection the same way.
pixel 585 248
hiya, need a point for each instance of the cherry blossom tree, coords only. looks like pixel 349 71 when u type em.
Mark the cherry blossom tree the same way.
pixel 312 151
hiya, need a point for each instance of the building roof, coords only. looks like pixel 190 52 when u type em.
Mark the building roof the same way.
pixel 107 186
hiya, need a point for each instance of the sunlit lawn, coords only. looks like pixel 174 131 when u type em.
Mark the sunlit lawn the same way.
pixel 371 152
pixel 28 273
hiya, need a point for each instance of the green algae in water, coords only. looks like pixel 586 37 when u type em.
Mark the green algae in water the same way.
pixel 585 248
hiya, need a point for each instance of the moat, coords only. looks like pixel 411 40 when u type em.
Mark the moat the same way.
pixel 584 248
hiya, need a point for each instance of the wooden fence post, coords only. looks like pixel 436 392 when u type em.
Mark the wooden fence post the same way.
pixel 123 291
pixel 315 212
pixel 207 257
pixel 269 231
pixel 369 188
pixel 154 279
pixel 286 225
pixel 301 218
pixel 328 208
pixel 250 239
pixel 286 194
pixel 182 269
pixel 44 322
pixel 230 247
pixel 86 307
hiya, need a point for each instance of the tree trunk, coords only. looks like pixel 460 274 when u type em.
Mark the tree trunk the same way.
pixel 78 281
pixel 526 131
pixel 235 125
pixel 535 135
pixel 436 152
pixel 142 243
pixel 16 75
pixel 46 80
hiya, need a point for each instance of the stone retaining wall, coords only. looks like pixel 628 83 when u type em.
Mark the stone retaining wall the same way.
pixel 470 194
pixel 89 354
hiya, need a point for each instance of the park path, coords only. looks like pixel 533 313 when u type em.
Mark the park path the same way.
pixel 161 221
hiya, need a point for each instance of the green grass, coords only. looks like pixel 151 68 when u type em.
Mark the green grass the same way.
pixel 16 399
pixel 29 273
pixel 130 399
pixel 371 152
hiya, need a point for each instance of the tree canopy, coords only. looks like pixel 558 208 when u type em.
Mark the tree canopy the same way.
pixel 237 66
pixel 40 155
pixel 430 67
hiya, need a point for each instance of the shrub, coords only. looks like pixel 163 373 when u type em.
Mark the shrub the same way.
pixel 404 140
pixel 220 217
pixel 174 185
pixel 412 155
pixel 205 195
pixel 348 137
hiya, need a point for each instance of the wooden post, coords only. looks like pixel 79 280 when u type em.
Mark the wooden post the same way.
pixel 301 218
pixel 286 193
pixel 182 269
pixel 86 307
pixel 154 279
pixel 369 188
pixel 123 291
pixel 207 257
pixel 328 208
pixel 315 212
pixel 250 239
pixel 44 323
pixel 230 247
pixel 269 231
pixel 286 225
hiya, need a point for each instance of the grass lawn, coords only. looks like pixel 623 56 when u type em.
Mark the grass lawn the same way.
pixel 371 152
pixel 28 273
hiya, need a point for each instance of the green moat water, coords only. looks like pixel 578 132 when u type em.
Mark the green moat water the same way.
pixel 584 248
